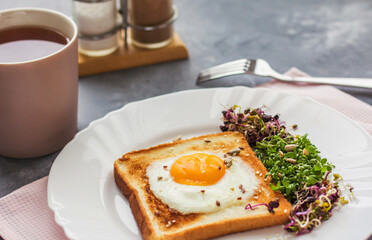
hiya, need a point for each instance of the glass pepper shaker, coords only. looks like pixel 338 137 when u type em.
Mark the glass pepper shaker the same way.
pixel 151 22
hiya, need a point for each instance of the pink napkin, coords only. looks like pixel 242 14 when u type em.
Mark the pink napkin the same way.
pixel 360 112
pixel 24 214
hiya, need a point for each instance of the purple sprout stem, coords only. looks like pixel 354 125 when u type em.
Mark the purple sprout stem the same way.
pixel 249 206
pixel 302 213
pixel 245 117
pixel 292 223
pixel 326 177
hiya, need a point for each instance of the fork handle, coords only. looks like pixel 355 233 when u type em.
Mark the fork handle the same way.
pixel 349 82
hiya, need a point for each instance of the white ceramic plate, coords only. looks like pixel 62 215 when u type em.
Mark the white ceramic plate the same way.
pixel 88 205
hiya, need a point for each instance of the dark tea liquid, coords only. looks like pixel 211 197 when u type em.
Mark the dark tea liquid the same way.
pixel 29 43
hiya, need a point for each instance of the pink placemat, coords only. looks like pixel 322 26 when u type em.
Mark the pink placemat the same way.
pixel 24 213
pixel 360 112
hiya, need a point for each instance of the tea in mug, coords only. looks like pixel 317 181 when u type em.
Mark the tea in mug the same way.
pixel 28 43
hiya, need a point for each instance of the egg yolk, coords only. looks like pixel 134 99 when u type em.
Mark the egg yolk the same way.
pixel 198 169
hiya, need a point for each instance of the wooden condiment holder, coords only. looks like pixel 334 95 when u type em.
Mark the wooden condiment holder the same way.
pixel 131 57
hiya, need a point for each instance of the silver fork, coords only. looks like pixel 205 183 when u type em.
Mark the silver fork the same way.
pixel 260 67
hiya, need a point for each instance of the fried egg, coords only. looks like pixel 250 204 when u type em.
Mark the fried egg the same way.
pixel 200 182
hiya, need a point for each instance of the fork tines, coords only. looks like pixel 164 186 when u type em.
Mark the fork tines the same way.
pixel 227 69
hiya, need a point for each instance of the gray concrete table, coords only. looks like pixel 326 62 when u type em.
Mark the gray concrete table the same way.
pixel 322 38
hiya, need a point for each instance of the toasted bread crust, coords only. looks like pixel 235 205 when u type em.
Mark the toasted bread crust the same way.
pixel 145 220
pixel 221 228
pixel 229 226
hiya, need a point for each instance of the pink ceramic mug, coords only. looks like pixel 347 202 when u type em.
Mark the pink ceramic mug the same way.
pixel 39 97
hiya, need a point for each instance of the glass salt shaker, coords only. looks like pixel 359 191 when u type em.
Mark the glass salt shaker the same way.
pixel 97 22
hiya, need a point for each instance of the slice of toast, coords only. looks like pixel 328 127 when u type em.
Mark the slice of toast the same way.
pixel 156 220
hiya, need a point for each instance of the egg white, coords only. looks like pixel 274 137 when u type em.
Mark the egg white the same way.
pixel 190 199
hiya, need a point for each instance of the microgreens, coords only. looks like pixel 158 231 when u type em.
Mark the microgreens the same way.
pixel 294 166
pixel 288 176
pixel 253 123
pixel 314 204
